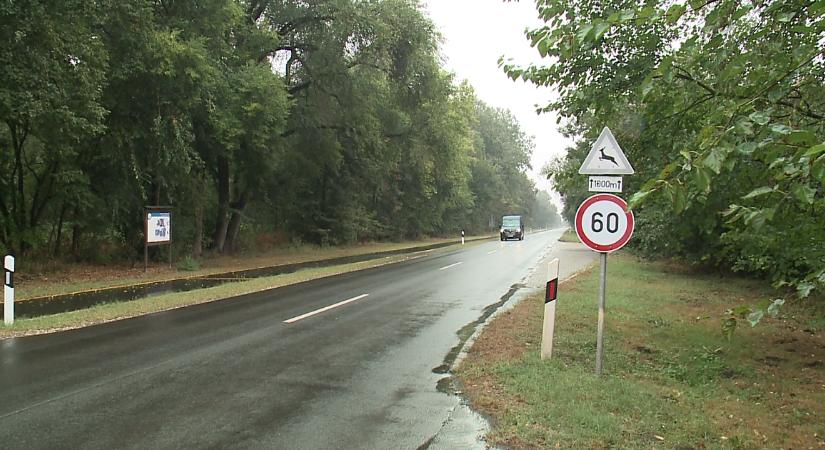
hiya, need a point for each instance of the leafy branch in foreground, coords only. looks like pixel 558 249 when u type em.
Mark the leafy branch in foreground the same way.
pixel 718 105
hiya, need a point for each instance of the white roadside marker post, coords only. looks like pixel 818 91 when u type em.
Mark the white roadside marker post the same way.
pixel 462 237
pixel 550 294
pixel 8 290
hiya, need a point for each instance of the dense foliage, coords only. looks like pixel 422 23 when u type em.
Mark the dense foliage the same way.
pixel 719 105
pixel 259 121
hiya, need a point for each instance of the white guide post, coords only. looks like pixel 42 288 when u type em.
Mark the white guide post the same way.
pixel 550 295
pixel 8 290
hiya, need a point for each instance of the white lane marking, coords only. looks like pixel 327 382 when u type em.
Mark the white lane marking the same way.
pixel 327 308
pixel 490 253
pixel 451 265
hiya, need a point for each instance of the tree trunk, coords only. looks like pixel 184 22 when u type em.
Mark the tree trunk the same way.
pixel 235 223
pixel 75 240
pixel 197 246
pixel 75 233
pixel 221 224
pixel 18 138
pixel 59 237
pixel 154 194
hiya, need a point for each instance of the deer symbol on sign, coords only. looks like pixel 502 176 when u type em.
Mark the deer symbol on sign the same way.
pixel 604 157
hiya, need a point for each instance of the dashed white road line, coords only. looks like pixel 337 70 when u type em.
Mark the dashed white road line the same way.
pixel 490 253
pixel 451 265
pixel 327 308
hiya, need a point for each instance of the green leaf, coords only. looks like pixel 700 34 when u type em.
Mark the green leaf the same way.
pixel 818 170
pixel 675 12
pixel 759 191
pixel 638 198
pixel 773 309
pixel 543 47
pixel 714 160
pixel 668 169
pixel 741 311
pixel 755 317
pixel 647 86
pixel 801 137
pixel 702 178
pixel 645 13
pixel 734 213
pixel 804 193
pixel 696 4
pixel 728 327
pixel 600 29
pixel 779 128
pixel 680 200
pixel 627 15
pixel 712 19
pixel 584 32
pixel 755 219
pixel 677 196
pixel 804 289
pixel 746 148
pixel 760 117
pixel 815 151
pixel 785 16
pixel 744 127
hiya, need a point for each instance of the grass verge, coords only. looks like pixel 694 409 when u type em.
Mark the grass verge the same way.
pixel 671 380
pixel 569 236
pixel 109 312
pixel 55 279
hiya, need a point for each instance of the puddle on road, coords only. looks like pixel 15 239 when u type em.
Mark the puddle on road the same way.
pixel 467 330
pixel 465 427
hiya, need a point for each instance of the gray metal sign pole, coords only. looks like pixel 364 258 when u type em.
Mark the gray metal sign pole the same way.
pixel 600 331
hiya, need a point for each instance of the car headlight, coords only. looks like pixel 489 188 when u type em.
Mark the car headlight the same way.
pixel 518 230
pixel 501 230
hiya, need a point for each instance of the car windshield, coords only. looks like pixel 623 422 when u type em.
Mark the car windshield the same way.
pixel 510 222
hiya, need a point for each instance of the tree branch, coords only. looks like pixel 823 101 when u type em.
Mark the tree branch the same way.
pixel 696 103
pixel 299 87
pixel 686 75
pixel 290 26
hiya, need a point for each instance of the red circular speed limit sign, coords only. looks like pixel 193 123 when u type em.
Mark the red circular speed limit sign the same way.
pixel 603 223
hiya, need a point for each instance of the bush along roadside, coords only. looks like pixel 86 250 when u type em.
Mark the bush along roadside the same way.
pixel 672 378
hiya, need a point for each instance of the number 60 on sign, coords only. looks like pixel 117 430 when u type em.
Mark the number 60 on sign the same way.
pixel 603 223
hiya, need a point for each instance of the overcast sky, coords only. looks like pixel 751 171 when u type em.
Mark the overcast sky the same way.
pixel 475 34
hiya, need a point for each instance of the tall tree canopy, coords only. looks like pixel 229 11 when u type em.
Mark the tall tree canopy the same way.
pixel 324 121
pixel 718 105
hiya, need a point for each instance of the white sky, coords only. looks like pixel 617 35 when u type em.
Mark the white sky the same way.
pixel 475 34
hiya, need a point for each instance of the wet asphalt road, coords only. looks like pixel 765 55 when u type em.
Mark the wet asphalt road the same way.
pixel 234 374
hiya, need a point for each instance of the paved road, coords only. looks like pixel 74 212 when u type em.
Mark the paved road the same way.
pixel 280 369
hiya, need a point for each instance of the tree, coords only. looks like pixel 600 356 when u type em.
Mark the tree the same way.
pixel 327 121
pixel 52 67
pixel 719 105
pixel 545 214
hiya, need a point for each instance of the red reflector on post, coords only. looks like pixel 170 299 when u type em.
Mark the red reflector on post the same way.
pixel 552 290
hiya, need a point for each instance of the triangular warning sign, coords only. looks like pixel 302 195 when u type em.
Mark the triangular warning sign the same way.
pixel 606 157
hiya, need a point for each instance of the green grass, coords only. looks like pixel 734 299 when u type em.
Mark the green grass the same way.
pixel 671 380
pixel 115 311
pixel 58 279
pixel 569 236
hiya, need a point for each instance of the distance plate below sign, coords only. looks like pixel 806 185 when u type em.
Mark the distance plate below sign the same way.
pixel 603 223
pixel 604 184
